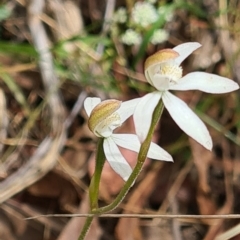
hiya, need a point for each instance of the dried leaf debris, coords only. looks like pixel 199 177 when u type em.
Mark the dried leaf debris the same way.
pixel 53 54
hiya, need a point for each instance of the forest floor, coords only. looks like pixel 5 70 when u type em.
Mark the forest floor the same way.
pixel 53 54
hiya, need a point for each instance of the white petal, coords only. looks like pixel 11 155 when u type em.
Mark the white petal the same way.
pixel 160 82
pixel 128 141
pixel 205 82
pixel 127 109
pixel 116 159
pixel 187 120
pixel 158 153
pixel 143 114
pixel 131 142
pixel 185 50
pixel 90 103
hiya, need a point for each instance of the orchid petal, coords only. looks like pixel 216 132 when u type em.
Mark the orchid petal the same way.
pixel 131 142
pixel 143 113
pixel 90 103
pixel 205 82
pixel 116 159
pixel 127 109
pixel 160 82
pixel 187 120
pixel 158 153
pixel 185 50
pixel 128 141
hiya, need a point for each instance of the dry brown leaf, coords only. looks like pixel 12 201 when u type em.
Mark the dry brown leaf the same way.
pixel 54 186
pixel 129 228
pixel 202 159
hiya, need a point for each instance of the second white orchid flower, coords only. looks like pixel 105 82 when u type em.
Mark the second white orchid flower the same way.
pixel 163 72
pixel 104 118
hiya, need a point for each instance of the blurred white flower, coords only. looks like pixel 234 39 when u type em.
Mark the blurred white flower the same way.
pixel 120 16
pixel 163 72
pixel 104 118
pixel 166 11
pixel 131 37
pixel 159 36
pixel 144 14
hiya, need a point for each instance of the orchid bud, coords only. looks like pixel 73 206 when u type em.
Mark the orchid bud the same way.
pixel 104 118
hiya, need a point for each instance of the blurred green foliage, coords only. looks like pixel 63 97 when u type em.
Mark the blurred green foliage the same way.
pixel 4 12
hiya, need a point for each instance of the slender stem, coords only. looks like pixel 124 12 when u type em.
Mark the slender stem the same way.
pixel 86 228
pixel 141 159
pixel 94 187
pixel 95 181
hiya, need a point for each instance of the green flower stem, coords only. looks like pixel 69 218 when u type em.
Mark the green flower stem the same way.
pixel 141 159
pixel 95 181
pixel 86 228
pixel 94 187
pixel 100 158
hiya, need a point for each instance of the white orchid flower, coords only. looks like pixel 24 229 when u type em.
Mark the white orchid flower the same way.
pixel 104 118
pixel 163 72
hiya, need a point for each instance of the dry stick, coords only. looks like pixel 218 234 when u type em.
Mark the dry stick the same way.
pixel 76 109
pixel 108 16
pixel 163 216
pixel 19 210
pixel 45 156
pixel 175 223
pixel 3 120
pixel 107 22
pixel 229 234
pixel 12 152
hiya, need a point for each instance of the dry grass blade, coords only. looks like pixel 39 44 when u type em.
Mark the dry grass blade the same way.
pixel 3 120
pixel 230 233
pixel 46 155
pixel 19 96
